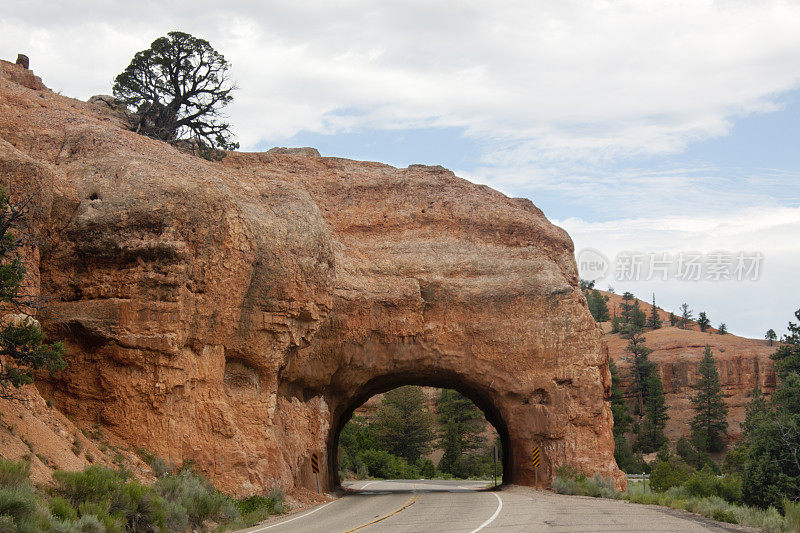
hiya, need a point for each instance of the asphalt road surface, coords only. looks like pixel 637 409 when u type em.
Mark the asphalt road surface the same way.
pixel 464 506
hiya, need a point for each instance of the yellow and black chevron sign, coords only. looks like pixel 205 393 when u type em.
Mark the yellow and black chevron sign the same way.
pixel 535 457
pixel 314 463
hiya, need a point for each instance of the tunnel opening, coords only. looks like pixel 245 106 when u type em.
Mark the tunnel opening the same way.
pixel 385 384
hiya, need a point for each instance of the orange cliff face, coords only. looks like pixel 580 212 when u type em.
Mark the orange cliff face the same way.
pixel 742 363
pixel 234 313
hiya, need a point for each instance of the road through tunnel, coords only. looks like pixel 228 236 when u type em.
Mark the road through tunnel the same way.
pixel 480 399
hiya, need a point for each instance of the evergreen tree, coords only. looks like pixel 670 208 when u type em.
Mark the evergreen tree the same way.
pixel 771 336
pixel 627 307
pixel 461 431
pixel 654 321
pixel 651 434
pixel 641 367
pixel 403 425
pixel 771 432
pixel 703 321
pixel 711 419
pixel 638 317
pixel 177 88
pixel 673 319
pixel 686 315
pixel 622 422
pixel 597 306
pixel 22 346
pixel 722 329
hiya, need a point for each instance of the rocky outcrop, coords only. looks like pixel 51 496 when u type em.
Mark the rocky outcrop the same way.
pixel 742 363
pixel 235 313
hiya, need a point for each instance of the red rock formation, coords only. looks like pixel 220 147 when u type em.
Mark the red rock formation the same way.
pixel 235 313
pixel 742 364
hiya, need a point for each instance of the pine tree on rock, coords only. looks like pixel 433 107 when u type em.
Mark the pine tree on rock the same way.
pixel 722 329
pixel 771 336
pixel 654 321
pixel 711 419
pixel 673 319
pixel 703 321
pixel 686 315
pixel 627 307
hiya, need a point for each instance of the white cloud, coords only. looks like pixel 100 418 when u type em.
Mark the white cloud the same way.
pixel 545 80
pixel 748 307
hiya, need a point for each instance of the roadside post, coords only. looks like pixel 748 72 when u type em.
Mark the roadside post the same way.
pixel 535 463
pixel 315 467
pixel 495 452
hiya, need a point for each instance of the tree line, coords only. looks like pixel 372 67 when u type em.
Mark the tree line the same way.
pixel 395 442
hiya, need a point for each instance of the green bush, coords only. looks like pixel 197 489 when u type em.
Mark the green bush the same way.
pixel 62 509
pixel 706 483
pixel 428 470
pixel 257 508
pixel 115 501
pixel 199 499
pixel 570 480
pixel 381 464
pixel 19 503
pixel 13 474
pixel 666 474
pixel 792 511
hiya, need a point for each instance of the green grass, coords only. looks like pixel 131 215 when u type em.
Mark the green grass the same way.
pixel 714 507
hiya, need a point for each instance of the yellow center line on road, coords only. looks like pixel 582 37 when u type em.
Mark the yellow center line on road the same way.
pixel 405 506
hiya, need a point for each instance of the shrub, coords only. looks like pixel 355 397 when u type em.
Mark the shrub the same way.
pixel 792 511
pixel 257 508
pixel 18 502
pixel 666 474
pixel 108 495
pixel 705 484
pixel 384 465
pixel 428 470
pixel 13 474
pixel 61 508
pixel 200 500
pixel 579 484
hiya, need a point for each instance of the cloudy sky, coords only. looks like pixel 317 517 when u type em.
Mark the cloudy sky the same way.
pixel 641 127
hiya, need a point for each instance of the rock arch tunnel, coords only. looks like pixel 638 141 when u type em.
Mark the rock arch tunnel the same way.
pixel 234 313
pixel 481 398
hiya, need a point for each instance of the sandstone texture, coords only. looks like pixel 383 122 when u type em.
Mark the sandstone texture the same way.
pixel 235 313
pixel 742 364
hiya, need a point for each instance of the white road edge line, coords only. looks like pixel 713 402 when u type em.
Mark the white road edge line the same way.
pixel 292 519
pixel 367 485
pixel 491 518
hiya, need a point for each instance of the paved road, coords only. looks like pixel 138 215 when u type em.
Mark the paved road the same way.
pixel 462 506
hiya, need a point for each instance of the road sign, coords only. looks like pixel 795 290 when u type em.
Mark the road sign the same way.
pixel 315 467
pixel 535 457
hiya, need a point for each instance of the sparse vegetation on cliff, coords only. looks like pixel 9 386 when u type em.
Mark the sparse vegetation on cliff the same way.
pixel 22 346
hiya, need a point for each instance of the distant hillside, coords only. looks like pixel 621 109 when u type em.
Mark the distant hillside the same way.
pixel 742 364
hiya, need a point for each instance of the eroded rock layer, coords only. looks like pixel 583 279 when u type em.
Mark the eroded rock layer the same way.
pixel 235 313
